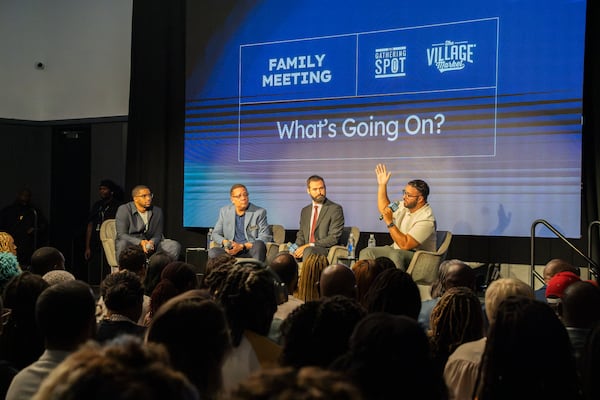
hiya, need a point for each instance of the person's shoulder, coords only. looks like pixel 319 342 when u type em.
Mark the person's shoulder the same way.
pixel 329 203
pixel 254 208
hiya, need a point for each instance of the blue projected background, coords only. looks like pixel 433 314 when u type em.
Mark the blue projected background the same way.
pixel 482 101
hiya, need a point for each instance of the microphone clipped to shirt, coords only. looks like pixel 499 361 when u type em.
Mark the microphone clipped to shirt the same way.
pixel 394 205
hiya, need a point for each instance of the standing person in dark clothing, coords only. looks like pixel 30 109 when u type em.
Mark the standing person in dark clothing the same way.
pixel 26 224
pixel 111 197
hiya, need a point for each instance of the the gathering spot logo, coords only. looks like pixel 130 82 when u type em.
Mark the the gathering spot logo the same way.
pixel 450 55
pixel 390 62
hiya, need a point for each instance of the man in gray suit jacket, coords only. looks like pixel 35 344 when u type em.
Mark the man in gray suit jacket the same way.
pixel 242 228
pixel 326 226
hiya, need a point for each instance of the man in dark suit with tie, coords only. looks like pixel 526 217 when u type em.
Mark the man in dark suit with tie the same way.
pixel 321 222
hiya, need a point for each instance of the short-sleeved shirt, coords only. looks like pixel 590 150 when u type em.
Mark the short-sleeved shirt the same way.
pixel 420 225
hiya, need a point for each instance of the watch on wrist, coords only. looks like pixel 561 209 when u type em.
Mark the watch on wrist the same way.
pixel 390 224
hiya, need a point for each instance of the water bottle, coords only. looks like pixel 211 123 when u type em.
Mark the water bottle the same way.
pixel 371 242
pixel 350 246
pixel 291 247
pixel 208 238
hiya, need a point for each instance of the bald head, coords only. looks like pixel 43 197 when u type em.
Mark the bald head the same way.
pixel 555 266
pixel 338 279
pixel 286 267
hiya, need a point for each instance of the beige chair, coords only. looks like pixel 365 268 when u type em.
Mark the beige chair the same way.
pixel 108 234
pixel 340 250
pixel 424 265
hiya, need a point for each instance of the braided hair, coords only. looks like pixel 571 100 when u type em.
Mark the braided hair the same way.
pixel 456 318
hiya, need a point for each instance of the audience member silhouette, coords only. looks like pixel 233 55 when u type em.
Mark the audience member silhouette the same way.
pixel 317 332
pixel 177 277
pixel 461 370
pixel 385 262
pixel 308 282
pixel 286 267
pixel 9 268
pixel 337 279
pixel 156 264
pixel 590 365
pixel 65 316
pixel 7 371
pixel 579 311
pixel 457 318
pixel 123 296
pixel 123 369
pixel 195 332
pixel 553 267
pixel 394 292
pixel 527 354
pixel 46 259
pixel 452 273
pixel 388 358
pixel 365 272
pixel 7 243
pixel 214 263
pixel 21 342
pixel 248 296
pixel 285 383
pixel 131 259
pixel 26 224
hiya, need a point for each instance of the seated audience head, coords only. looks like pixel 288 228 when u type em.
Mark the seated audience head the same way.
pixel 365 272
pixel 317 332
pixel 57 276
pixel 177 277
pixel 308 284
pixel 499 290
pixel 528 348
pixel 22 343
pixel 308 383
pixel 65 315
pixel 590 364
pixel 580 305
pixel 9 268
pixel 248 296
pixel 123 294
pixel 46 259
pixel 453 273
pixel 188 325
pixel 156 264
pixel 133 259
pixel 394 292
pixel 124 369
pixel 389 358
pixel 457 318
pixel 337 279
pixel 385 262
pixel 7 243
pixel 286 267
pixel 217 274
pixel 555 266
pixel 557 285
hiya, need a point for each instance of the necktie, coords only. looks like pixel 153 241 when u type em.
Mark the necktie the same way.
pixel 313 225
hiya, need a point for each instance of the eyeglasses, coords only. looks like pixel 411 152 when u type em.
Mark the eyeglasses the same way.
pixel 405 193
pixel 241 196
pixel 146 196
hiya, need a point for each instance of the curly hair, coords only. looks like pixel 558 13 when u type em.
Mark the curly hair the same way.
pixel 7 243
pixel 395 292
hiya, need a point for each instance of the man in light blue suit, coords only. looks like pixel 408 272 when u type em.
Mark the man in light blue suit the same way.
pixel 242 228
